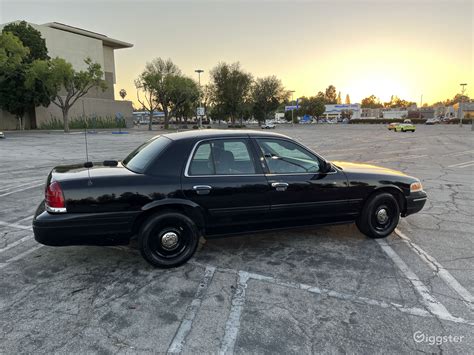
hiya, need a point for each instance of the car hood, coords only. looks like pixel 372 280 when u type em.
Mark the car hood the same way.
pixel 366 168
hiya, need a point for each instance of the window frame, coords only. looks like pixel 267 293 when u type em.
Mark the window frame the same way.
pixel 263 160
pixel 251 149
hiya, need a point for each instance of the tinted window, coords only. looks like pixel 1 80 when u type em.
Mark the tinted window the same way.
pixel 222 157
pixel 144 154
pixel 285 157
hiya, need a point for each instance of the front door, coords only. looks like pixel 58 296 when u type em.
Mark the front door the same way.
pixel 224 178
pixel 300 192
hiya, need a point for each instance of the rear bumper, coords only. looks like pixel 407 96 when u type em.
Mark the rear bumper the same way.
pixel 82 228
pixel 415 202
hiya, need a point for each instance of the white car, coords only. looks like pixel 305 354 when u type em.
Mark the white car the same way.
pixel 431 121
pixel 2 135
pixel 268 126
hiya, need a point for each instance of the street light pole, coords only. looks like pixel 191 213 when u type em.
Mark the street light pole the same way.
pixel 463 89
pixel 199 71
pixel 421 105
pixel 292 109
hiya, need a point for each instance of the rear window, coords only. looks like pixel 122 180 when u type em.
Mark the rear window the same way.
pixel 138 160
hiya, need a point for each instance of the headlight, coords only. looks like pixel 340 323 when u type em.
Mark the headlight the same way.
pixel 416 186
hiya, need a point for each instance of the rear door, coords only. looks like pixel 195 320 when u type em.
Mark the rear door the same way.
pixel 300 192
pixel 224 177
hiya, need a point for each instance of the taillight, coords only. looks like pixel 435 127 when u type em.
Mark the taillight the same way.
pixel 54 198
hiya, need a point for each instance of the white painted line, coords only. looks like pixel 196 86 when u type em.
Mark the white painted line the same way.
pixel 19 190
pixel 14 244
pixel 432 305
pixel 466 162
pixel 179 340
pixel 20 256
pixel 439 270
pixel 415 311
pixel 233 321
pixel 17 226
pixel 29 218
pixel 21 185
pixel 409 157
pixel 465 166
pixel 455 154
pixel 342 296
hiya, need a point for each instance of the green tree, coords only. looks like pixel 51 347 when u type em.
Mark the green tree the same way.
pixel 157 82
pixel 231 87
pixel 312 106
pixel 184 96
pixel 64 84
pixel 267 95
pixel 15 96
pixel 371 102
pixel 31 38
pixel 339 99
pixel 348 100
pixel 330 95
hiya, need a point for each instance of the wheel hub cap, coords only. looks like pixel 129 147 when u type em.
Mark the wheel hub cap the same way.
pixel 169 240
pixel 382 215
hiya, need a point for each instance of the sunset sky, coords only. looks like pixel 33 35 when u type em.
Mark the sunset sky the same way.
pixel 406 48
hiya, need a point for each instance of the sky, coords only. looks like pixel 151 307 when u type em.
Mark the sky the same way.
pixel 403 48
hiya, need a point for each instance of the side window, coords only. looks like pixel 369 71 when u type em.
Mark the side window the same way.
pixel 285 157
pixel 222 157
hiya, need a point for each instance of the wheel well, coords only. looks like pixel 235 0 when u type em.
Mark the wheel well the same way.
pixel 188 211
pixel 402 202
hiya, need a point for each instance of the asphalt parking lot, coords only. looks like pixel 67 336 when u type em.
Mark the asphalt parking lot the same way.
pixel 324 289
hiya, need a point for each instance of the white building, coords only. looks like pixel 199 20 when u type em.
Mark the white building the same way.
pixel 334 111
pixel 392 114
pixel 74 45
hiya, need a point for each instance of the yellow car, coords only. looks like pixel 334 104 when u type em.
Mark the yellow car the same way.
pixel 405 127
pixel 392 126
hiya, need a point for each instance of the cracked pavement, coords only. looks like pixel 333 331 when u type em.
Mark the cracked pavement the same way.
pixel 313 290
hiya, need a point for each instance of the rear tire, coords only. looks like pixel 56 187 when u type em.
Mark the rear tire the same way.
pixel 380 216
pixel 168 239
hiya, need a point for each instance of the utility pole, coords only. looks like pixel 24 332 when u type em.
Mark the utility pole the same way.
pixel 199 71
pixel 461 101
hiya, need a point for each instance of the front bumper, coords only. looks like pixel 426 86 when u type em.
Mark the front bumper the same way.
pixel 415 202
pixel 82 228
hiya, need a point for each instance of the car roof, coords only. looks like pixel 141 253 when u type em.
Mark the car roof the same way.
pixel 219 133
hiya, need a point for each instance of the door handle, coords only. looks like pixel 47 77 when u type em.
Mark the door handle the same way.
pixel 280 186
pixel 202 189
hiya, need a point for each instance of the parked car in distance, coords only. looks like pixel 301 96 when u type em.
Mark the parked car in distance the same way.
pixel 405 127
pixel 268 125
pixel 432 121
pixel 406 120
pixel 2 135
pixel 391 126
pixel 177 187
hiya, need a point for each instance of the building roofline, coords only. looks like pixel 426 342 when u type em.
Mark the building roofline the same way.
pixel 114 43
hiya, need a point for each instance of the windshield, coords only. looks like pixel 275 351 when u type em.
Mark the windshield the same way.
pixel 138 160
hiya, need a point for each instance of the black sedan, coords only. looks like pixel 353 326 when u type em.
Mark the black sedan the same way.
pixel 177 187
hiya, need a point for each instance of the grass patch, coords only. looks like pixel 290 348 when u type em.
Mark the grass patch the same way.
pixel 84 122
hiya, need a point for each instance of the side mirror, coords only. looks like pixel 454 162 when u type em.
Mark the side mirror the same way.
pixel 327 166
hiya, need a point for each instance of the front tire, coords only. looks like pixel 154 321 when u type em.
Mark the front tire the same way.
pixel 380 216
pixel 168 239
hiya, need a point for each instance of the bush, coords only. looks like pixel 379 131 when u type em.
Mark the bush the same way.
pixel 195 127
pixel 236 126
pixel 84 122
pixel 385 120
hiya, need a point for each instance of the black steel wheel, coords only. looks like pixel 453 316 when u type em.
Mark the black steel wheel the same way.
pixel 168 239
pixel 379 216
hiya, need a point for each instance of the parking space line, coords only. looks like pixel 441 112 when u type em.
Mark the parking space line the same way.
pixel 25 219
pixel 21 185
pixel 455 154
pixel 20 256
pixel 233 321
pixel 444 274
pixel 431 303
pixel 398 158
pixel 15 243
pixel 415 311
pixel 19 190
pixel 15 225
pixel 465 166
pixel 458 164
pixel 179 340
